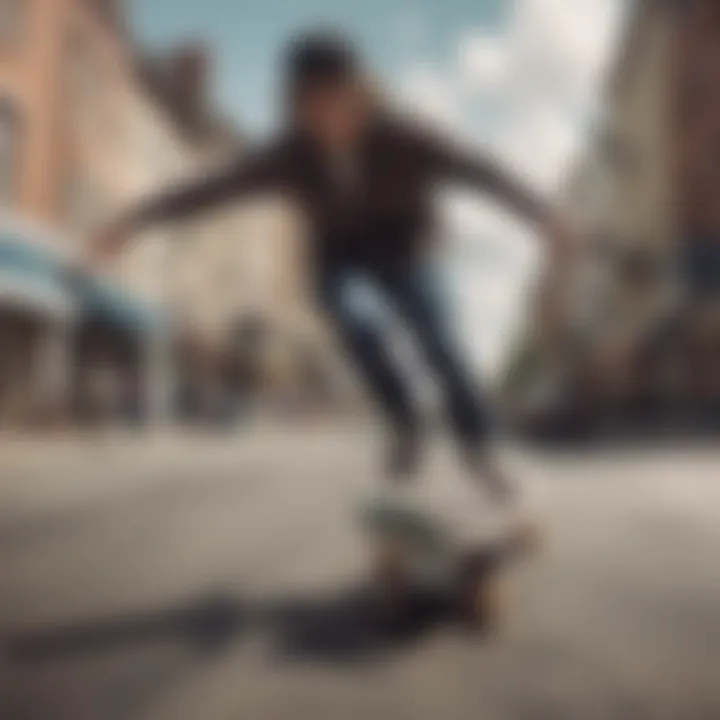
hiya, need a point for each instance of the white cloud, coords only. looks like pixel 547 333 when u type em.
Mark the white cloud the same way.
pixel 483 61
pixel 542 71
pixel 426 90
pixel 562 47
pixel 538 142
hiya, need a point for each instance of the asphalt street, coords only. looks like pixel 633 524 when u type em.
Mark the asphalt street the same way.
pixel 224 577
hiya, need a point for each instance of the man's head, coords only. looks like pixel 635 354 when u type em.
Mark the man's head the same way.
pixel 325 84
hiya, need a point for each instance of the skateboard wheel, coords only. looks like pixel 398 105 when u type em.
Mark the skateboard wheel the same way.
pixel 485 601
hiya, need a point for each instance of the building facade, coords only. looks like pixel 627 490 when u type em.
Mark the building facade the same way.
pixel 89 125
pixel 696 120
pixel 696 135
pixel 630 212
pixel 239 277
pixel 81 137
pixel 646 193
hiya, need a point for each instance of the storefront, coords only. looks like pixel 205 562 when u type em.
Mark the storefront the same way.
pixel 37 314
pixel 124 365
pixel 74 346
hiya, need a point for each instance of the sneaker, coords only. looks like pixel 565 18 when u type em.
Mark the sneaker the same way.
pixel 486 472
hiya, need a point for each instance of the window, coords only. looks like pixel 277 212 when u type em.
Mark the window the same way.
pixel 9 151
pixel 11 21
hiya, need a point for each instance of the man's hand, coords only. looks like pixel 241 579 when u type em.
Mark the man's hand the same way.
pixel 562 239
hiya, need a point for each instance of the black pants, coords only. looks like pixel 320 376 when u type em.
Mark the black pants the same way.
pixel 350 295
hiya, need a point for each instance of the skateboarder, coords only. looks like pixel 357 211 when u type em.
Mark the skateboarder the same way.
pixel 365 177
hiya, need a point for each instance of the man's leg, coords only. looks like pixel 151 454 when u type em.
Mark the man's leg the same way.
pixel 420 295
pixel 347 296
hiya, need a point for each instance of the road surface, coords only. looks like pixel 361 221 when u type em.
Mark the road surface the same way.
pixel 220 578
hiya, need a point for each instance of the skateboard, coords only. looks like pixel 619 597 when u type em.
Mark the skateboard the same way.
pixel 414 551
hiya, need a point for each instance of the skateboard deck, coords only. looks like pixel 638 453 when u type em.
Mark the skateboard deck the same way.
pixel 414 547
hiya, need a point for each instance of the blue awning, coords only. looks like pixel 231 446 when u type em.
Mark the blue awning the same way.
pixel 32 276
pixel 35 276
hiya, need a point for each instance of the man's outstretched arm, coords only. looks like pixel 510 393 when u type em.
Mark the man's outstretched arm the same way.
pixel 479 171
pixel 460 163
pixel 258 172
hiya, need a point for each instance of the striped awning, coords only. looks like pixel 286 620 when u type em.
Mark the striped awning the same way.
pixel 36 276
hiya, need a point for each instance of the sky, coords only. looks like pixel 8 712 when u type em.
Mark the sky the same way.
pixel 520 77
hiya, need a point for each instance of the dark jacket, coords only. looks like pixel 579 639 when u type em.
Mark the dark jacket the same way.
pixel 382 214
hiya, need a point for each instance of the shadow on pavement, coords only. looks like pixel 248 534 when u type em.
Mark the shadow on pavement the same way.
pixel 342 628
pixel 207 624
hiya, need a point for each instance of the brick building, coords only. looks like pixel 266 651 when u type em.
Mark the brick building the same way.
pixel 696 119
pixel 89 123
pixel 81 136
pixel 49 149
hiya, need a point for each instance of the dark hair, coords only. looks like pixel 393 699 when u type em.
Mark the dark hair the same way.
pixel 319 58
